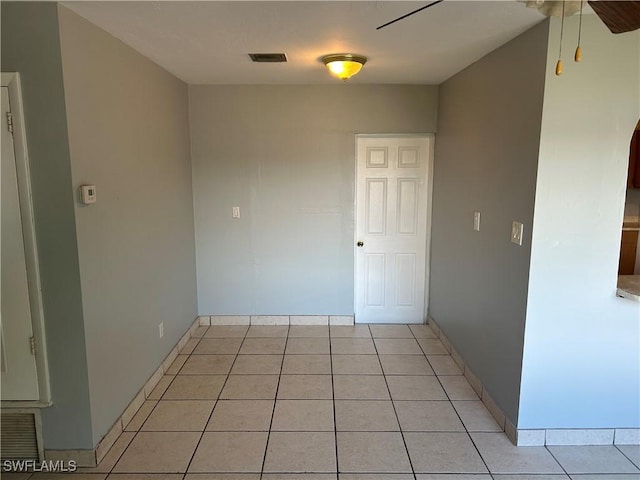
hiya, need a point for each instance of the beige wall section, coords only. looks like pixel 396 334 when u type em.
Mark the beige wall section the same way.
pixel 486 158
pixel 129 135
pixel 581 364
pixel 286 156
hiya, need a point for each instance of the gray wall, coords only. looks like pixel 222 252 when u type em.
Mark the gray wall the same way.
pixel 582 345
pixel 31 46
pixel 129 135
pixel 286 156
pixel 485 160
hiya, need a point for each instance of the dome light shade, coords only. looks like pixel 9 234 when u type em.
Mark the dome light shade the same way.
pixel 344 65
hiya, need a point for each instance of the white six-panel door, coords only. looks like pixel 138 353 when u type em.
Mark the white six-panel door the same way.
pixel 392 194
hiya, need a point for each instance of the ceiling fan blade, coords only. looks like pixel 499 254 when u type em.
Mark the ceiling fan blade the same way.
pixel 410 13
pixel 618 16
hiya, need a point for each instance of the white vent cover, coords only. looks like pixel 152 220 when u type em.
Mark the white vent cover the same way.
pixel 19 438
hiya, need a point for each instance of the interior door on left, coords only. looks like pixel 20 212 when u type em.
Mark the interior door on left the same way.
pixel 18 365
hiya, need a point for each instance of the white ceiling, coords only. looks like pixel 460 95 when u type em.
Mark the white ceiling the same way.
pixel 207 42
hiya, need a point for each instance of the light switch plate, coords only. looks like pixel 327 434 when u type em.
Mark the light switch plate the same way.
pixel 235 212
pixel 88 194
pixel 516 233
pixel 476 221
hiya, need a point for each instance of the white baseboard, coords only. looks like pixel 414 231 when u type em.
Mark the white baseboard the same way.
pixel 276 320
pixel 537 437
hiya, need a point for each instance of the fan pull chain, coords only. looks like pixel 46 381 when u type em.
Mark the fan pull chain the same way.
pixel 578 56
pixel 559 64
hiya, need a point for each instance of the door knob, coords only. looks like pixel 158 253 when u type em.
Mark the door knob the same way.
pixel 360 244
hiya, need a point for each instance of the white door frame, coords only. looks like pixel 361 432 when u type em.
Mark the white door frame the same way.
pixel 12 81
pixel 429 194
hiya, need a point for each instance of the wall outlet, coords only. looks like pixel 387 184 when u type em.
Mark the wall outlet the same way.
pixel 161 329
pixel 476 221
pixel 516 233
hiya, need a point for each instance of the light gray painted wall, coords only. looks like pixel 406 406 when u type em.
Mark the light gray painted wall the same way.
pixel 286 156
pixel 31 46
pixel 582 344
pixel 485 160
pixel 128 135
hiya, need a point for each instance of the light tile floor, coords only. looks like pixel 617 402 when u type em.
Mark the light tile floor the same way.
pixel 330 403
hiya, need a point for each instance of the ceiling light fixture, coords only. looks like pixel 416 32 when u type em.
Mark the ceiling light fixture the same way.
pixel 344 65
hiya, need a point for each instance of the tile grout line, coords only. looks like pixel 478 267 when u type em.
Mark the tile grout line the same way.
pixel 275 400
pixel 393 405
pixel 333 398
pixel 546 447
pixel 217 398
pixel 627 457
pixel 466 430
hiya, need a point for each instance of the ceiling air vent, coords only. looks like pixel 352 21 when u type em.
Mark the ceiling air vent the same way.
pixel 268 57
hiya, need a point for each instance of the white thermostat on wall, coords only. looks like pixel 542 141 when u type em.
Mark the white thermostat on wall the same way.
pixel 88 194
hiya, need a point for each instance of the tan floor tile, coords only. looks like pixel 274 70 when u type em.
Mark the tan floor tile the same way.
pixel 308 331
pixel 365 416
pixel 141 416
pixel 301 387
pixel 306 364
pixel 412 387
pixel 177 364
pixel 303 415
pixel 226 331
pixel 436 452
pixel 596 476
pixel 300 476
pixel 268 331
pixel 16 475
pixel 405 365
pixel 195 387
pixel 191 344
pixel 200 331
pixel 114 453
pixel 458 387
pixel 218 346
pixel 263 346
pixel 356 365
pixel 444 365
pixel 161 387
pixel 307 346
pixel 501 456
pixel 59 476
pixel 428 416
pixel 257 365
pixel 460 476
pixel 207 365
pixel 378 452
pixel 179 416
pixel 352 346
pixel 432 346
pixel 592 459
pixel 351 331
pixel 374 476
pixel 241 415
pixel 250 387
pixel 390 331
pixel 475 416
pixel 145 476
pixel 222 476
pixel 229 452
pixel 422 331
pixel 546 477
pixel 397 346
pixel 360 387
pixel 158 452
pixel 632 452
pixel 301 452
